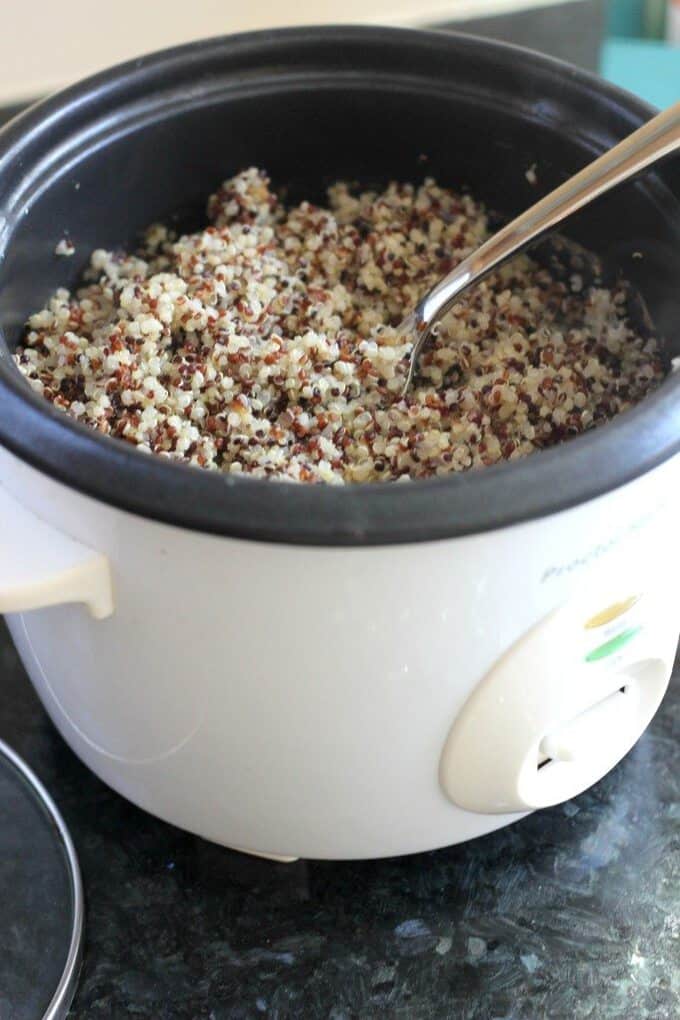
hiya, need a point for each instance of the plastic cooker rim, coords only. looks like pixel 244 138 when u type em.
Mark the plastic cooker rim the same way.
pixel 372 514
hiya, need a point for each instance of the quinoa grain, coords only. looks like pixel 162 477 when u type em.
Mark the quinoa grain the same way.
pixel 268 344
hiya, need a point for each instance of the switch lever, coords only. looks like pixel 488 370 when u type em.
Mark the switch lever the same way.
pixel 577 738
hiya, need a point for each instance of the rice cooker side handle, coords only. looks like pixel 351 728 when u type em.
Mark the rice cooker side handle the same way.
pixel 40 566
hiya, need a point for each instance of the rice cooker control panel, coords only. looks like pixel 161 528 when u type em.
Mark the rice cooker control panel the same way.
pixel 563 705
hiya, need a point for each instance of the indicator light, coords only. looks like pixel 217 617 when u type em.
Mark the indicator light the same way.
pixel 613 645
pixel 610 613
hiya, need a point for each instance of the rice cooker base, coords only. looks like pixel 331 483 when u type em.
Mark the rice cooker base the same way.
pixel 298 701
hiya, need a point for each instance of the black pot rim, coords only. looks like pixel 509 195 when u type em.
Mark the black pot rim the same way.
pixel 371 514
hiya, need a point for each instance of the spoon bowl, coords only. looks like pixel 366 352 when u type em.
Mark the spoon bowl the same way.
pixel 659 138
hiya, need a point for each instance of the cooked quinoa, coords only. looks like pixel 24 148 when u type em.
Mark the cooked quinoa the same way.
pixel 268 343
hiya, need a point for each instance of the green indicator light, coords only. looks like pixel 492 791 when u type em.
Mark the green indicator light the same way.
pixel 612 646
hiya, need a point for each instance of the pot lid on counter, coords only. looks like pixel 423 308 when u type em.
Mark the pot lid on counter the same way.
pixel 41 921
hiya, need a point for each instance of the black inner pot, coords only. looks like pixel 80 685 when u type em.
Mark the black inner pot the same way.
pixel 151 139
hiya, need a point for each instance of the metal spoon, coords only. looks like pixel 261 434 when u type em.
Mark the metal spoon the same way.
pixel 650 143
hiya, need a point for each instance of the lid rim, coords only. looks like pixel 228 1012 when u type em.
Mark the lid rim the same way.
pixel 62 998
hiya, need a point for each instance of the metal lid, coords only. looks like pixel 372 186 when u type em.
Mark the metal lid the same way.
pixel 41 920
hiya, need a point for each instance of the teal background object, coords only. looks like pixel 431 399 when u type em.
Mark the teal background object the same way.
pixel 649 69
pixel 625 19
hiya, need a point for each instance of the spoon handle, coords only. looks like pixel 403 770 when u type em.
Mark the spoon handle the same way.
pixel 657 138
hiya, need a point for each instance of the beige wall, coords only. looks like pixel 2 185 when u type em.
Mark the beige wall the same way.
pixel 48 43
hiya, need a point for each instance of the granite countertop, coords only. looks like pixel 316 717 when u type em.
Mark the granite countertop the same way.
pixel 573 912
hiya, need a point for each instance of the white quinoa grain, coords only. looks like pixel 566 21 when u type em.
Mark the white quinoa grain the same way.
pixel 65 247
pixel 268 343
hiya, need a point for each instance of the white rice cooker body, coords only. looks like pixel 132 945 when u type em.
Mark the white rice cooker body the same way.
pixel 343 702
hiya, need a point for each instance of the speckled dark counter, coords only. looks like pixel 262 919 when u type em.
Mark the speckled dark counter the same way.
pixel 571 913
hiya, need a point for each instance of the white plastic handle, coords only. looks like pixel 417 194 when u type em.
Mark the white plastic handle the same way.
pixel 40 566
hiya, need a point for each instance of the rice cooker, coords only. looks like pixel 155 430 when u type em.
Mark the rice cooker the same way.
pixel 335 672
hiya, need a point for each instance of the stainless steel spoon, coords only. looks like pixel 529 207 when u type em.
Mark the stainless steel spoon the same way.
pixel 659 137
